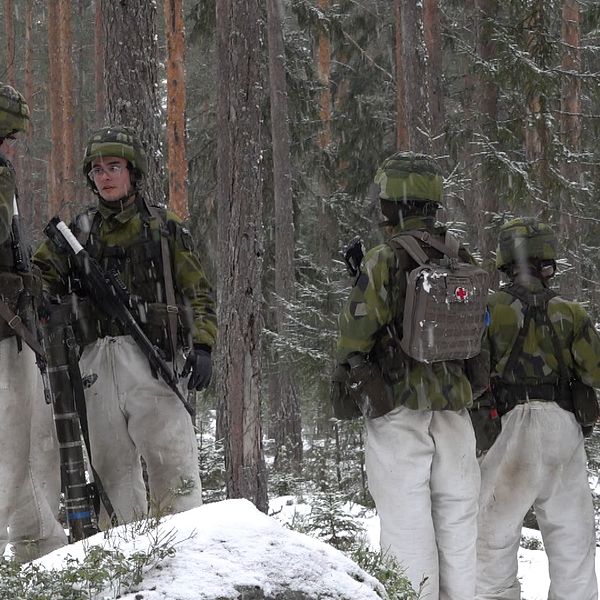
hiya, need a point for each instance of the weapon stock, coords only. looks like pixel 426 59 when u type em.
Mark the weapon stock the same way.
pixel 110 295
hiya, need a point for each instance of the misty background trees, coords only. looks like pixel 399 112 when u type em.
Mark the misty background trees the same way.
pixel 277 113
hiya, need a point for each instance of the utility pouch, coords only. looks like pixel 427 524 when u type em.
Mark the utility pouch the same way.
pixel 342 402
pixel 486 421
pixel 585 405
pixel 369 389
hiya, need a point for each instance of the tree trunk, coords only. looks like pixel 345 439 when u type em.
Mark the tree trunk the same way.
pixel 414 53
pixel 68 108
pixel 27 207
pixel 287 408
pixel 56 159
pixel 324 77
pixel 131 80
pixel 239 166
pixel 537 136
pixel 486 197
pixel 402 136
pixel 569 228
pixel 176 134
pixel 433 42
pixel 9 31
pixel 99 65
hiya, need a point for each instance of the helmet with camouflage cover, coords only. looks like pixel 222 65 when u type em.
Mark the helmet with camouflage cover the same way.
pixel 522 239
pixel 409 177
pixel 116 140
pixel 14 111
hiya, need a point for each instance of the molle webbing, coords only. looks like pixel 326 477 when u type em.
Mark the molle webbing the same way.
pixel 510 394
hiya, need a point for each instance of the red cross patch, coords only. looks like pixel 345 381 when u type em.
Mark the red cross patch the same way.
pixel 461 294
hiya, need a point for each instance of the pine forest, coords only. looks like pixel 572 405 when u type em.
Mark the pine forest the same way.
pixel 264 122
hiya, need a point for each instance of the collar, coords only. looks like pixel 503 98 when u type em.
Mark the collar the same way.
pixel 110 212
pixel 530 283
pixel 414 222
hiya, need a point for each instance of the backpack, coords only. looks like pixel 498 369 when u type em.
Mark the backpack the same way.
pixel 445 302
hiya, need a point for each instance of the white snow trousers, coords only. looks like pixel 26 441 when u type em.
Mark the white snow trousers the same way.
pixel 29 463
pixel 131 414
pixel 424 478
pixel 538 460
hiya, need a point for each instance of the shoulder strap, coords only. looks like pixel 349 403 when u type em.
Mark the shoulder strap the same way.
pixel 411 246
pixel 536 302
pixel 172 309
pixel 408 240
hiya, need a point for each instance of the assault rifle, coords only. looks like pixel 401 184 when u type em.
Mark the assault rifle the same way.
pixel 110 295
pixel 20 255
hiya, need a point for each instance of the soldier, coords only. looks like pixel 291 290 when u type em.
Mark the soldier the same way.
pixel 28 500
pixel 130 411
pixel 539 344
pixel 420 446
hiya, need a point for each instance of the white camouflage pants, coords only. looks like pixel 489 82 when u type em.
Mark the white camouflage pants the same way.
pixel 29 467
pixel 131 413
pixel 424 478
pixel 538 459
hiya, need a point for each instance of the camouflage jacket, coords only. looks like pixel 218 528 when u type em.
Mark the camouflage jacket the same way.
pixel 375 305
pixel 537 363
pixel 7 193
pixel 129 242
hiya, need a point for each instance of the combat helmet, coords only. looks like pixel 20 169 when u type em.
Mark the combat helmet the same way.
pixel 115 140
pixel 408 176
pixel 14 112
pixel 522 239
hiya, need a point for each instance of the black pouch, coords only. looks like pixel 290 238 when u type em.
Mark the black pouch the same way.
pixel 342 402
pixel 370 390
pixel 585 406
pixel 486 423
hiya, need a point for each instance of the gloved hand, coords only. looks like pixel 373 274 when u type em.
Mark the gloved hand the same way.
pixel 199 364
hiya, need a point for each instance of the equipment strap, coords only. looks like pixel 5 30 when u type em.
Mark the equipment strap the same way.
pixel 536 304
pixel 16 324
pixel 172 309
pixel 408 241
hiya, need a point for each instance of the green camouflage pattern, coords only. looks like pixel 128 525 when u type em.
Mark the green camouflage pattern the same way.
pixel 370 309
pixel 537 364
pixel 524 238
pixel 125 228
pixel 14 111
pixel 407 175
pixel 118 141
pixel 7 194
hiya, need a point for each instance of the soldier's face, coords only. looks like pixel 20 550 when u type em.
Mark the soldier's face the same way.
pixel 112 178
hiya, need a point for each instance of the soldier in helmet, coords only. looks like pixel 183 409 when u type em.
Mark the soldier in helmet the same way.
pixel 420 446
pixel 28 501
pixel 130 411
pixel 539 344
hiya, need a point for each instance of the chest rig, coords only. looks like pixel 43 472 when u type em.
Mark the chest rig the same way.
pixel 145 268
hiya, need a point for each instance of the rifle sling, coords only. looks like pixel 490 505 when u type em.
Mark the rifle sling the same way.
pixel 172 309
pixel 16 324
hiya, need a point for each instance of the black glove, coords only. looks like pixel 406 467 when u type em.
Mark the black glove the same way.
pixel 199 364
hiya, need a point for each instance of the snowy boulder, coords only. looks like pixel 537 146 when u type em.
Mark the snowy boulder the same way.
pixel 227 550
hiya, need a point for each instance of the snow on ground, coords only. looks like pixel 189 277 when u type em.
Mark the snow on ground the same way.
pixel 533 564
pixel 223 546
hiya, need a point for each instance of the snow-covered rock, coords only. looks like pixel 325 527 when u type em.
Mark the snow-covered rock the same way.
pixel 229 550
